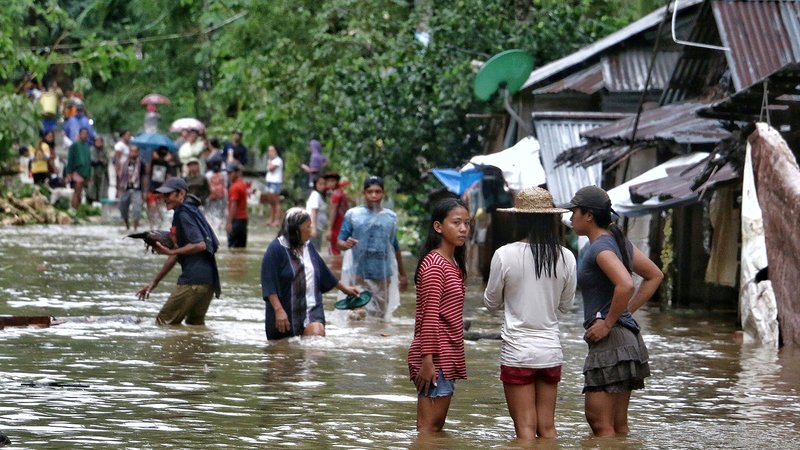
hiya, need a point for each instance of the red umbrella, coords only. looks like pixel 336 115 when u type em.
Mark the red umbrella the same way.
pixel 154 99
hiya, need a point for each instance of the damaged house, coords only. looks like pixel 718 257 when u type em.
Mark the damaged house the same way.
pixel 739 67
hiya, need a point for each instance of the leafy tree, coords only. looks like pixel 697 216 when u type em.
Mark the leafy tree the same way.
pixel 30 32
pixel 350 73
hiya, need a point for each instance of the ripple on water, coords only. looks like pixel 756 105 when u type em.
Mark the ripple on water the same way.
pixel 224 385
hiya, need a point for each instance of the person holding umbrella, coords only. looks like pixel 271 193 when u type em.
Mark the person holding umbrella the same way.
pixel 194 147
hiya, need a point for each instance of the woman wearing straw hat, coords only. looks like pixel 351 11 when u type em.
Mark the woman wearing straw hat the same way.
pixel 532 280
pixel 617 362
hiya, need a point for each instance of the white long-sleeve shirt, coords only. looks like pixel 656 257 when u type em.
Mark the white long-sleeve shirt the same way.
pixel 530 304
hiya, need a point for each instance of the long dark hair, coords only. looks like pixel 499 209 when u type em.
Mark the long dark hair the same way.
pixel 440 211
pixel 541 232
pixel 290 229
pixel 602 217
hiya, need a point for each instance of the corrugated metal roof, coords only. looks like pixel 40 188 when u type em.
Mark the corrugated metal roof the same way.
pixel 679 182
pixel 747 105
pixel 626 71
pixel 581 56
pixel 762 37
pixel 676 122
pixel 698 69
pixel 556 135
pixel 623 71
pixel 587 81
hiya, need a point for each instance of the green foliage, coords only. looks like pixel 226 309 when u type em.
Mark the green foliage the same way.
pixel 347 72
pixel 31 35
pixel 18 123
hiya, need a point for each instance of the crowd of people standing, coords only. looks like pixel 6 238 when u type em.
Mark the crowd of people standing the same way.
pixel 532 280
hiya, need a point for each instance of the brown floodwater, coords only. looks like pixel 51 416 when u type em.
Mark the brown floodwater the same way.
pixel 108 377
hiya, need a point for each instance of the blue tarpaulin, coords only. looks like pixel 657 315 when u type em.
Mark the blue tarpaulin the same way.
pixel 455 181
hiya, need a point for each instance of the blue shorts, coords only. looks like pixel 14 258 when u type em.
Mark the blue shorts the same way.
pixel 273 188
pixel 443 388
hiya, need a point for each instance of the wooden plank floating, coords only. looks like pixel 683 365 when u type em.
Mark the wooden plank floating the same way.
pixel 26 321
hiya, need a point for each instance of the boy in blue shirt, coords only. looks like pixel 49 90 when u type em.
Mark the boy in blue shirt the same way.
pixel 370 231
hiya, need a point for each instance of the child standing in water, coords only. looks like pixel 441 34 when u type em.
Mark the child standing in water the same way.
pixel 436 357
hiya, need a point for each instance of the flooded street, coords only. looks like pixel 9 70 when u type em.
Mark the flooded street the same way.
pixel 108 377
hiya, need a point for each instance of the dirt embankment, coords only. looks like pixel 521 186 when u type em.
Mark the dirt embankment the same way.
pixel 35 209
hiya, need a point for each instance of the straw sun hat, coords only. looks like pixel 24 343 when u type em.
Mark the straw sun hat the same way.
pixel 534 200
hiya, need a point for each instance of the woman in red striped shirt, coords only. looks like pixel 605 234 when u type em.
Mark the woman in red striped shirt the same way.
pixel 436 357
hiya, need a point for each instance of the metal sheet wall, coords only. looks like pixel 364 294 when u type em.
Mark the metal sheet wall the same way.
pixel 556 136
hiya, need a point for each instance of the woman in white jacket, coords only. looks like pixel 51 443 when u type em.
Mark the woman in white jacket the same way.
pixel 532 280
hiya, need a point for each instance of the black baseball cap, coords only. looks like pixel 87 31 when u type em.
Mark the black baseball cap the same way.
pixel 373 179
pixel 233 167
pixel 591 197
pixel 172 185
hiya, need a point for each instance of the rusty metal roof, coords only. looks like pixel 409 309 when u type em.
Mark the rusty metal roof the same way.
pixel 623 71
pixel 587 81
pixel 676 122
pixel 780 89
pixel 626 71
pixel 680 183
pixel 700 72
pixel 590 52
pixel 763 36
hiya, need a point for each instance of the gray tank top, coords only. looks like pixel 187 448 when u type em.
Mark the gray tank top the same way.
pixel 596 288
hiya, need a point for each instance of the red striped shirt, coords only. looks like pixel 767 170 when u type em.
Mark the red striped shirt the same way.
pixel 439 321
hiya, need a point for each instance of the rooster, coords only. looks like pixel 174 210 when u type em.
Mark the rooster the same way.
pixel 151 237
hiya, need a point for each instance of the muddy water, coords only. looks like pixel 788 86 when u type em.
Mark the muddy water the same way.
pixel 109 378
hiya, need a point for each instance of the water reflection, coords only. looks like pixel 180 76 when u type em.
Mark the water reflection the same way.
pixel 290 361
pixel 109 377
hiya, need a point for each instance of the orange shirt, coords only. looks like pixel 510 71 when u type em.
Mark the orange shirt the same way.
pixel 238 193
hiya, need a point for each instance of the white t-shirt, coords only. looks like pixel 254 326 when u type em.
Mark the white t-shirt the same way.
pixel 123 150
pixel 276 176
pixel 316 201
pixel 308 268
pixel 530 305
pixel 311 298
pixel 188 150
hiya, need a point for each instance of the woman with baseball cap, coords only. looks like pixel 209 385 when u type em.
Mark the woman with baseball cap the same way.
pixel 617 362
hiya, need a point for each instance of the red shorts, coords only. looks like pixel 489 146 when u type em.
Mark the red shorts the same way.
pixel 524 375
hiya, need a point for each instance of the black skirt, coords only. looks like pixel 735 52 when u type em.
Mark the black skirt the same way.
pixel 618 363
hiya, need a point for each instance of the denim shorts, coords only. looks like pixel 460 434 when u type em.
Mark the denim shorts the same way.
pixel 273 188
pixel 443 388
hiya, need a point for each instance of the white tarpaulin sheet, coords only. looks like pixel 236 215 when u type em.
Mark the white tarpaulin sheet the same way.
pixel 757 303
pixel 621 195
pixel 520 164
